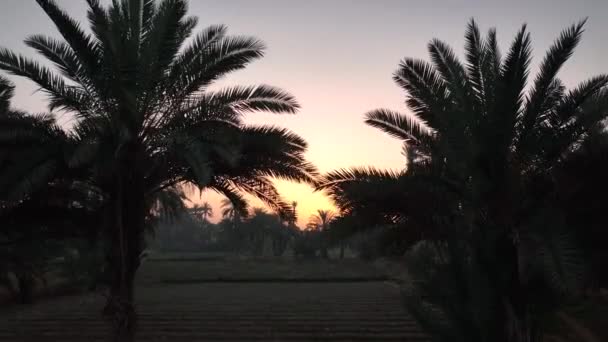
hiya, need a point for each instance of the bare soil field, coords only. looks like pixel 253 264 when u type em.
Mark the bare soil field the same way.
pixel 233 301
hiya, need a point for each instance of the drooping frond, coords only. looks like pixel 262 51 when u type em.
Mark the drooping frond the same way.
pixel 167 204
pixel 260 187
pixel 242 100
pixel 275 152
pixel 408 128
pixel 82 45
pixel 59 53
pixel 61 95
pixel 355 174
pixel 234 202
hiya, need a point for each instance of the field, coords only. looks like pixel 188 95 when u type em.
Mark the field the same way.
pixel 211 299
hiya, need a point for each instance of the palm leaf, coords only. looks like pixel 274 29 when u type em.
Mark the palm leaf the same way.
pixel 427 92
pixel 539 99
pixel 82 45
pixel 405 127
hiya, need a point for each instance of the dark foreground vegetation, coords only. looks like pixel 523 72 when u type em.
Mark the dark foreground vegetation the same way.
pixel 497 214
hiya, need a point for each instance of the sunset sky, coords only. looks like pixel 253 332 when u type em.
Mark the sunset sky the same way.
pixel 337 57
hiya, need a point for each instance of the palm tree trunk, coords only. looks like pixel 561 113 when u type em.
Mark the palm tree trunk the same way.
pixel 126 245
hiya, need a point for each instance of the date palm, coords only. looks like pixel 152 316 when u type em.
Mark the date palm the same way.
pixel 203 211
pixel 484 144
pixel 145 120
pixel 323 219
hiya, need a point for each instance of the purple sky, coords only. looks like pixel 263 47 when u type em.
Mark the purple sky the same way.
pixel 337 57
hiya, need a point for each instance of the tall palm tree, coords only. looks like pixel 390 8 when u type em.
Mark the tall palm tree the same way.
pixel 484 145
pixel 144 119
pixel 292 214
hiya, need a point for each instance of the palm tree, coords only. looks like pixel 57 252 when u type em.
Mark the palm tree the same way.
pixel 292 214
pixel 144 119
pixel 322 219
pixel 203 212
pixel 484 145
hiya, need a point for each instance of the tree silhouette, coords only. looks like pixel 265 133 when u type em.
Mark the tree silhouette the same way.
pixel 145 120
pixel 203 211
pixel 482 148
pixel 321 221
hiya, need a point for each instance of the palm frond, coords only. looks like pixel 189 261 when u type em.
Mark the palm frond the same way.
pixel 259 187
pixel 539 99
pixel 59 53
pixel 61 95
pixel 454 75
pixel 567 107
pixel 515 69
pixel 475 57
pixel 510 91
pixel 166 32
pixel 82 45
pixel 361 174
pixel 254 98
pixel 234 200
pixel 408 128
pixel 201 43
pixel 427 92
pixel 274 152
pixel 224 55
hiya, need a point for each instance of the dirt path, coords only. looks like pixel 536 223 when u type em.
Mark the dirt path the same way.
pixel 357 311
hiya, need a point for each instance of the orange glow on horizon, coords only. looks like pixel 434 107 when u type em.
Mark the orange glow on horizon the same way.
pixel 308 200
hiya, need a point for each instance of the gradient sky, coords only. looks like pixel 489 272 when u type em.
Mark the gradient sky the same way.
pixel 337 57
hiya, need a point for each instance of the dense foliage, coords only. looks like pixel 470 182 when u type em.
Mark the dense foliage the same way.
pixel 481 193
pixel 144 123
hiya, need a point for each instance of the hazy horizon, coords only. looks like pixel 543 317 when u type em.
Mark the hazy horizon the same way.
pixel 337 58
